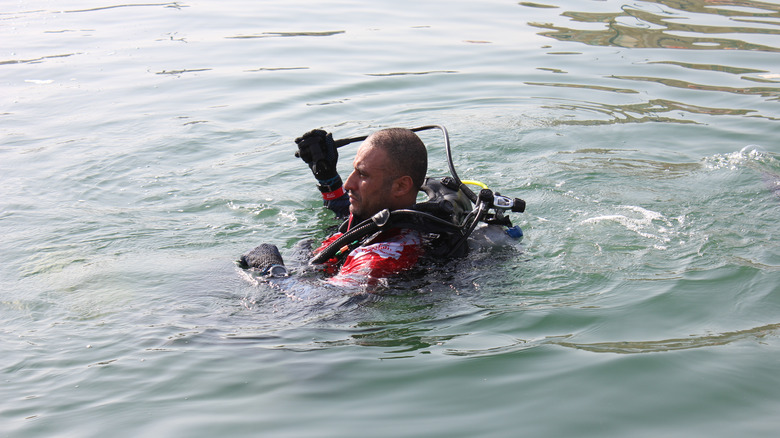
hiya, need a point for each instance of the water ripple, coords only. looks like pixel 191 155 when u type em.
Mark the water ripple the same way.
pixel 174 5
pixel 633 347
pixel 664 28
pixel 287 34
pixel 771 92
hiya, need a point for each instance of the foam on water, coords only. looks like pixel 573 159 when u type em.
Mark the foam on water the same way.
pixel 642 224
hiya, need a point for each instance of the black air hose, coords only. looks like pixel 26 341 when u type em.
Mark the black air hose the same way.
pixel 364 229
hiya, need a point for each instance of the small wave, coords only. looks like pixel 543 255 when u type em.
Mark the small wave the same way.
pixel 287 34
pixel 174 5
pixel 639 225
pixel 35 60
pixel 657 26
pixel 628 347
pixel 750 154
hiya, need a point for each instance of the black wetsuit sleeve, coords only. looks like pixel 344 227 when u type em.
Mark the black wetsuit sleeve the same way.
pixel 340 206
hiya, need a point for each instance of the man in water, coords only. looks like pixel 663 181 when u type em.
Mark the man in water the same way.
pixel 388 171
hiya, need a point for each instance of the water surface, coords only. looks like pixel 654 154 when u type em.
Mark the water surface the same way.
pixel 146 146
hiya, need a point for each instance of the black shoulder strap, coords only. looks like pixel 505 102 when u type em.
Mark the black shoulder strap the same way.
pixel 442 214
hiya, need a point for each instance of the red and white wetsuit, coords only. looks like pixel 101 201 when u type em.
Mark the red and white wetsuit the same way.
pixel 387 254
pixel 391 252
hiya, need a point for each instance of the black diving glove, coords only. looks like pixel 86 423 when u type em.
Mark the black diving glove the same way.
pixel 264 259
pixel 317 149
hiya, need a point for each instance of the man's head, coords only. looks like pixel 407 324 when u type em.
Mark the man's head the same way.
pixel 389 169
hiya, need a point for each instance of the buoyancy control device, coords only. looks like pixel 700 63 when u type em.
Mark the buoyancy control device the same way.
pixel 446 219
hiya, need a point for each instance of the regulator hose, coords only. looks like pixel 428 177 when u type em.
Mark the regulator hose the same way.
pixel 385 219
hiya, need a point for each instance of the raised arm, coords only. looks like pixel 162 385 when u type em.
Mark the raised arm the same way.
pixel 317 149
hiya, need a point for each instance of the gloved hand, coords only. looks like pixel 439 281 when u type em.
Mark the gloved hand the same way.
pixel 317 149
pixel 264 259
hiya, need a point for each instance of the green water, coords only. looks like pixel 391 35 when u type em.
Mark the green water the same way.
pixel 144 147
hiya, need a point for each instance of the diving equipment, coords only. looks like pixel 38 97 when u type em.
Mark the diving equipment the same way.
pixel 317 149
pixel 266 260
pixel 447 218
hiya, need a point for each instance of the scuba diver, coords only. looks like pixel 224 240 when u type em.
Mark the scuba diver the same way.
pixel 385 231
pixel 388 171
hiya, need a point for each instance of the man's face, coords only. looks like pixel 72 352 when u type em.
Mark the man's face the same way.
pixel 370 182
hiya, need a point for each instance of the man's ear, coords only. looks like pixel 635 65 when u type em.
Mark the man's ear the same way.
pixel 403 185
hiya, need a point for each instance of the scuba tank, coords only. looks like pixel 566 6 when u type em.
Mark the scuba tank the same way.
pixel 446 219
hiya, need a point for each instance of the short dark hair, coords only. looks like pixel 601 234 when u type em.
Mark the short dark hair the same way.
pixel 406 151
